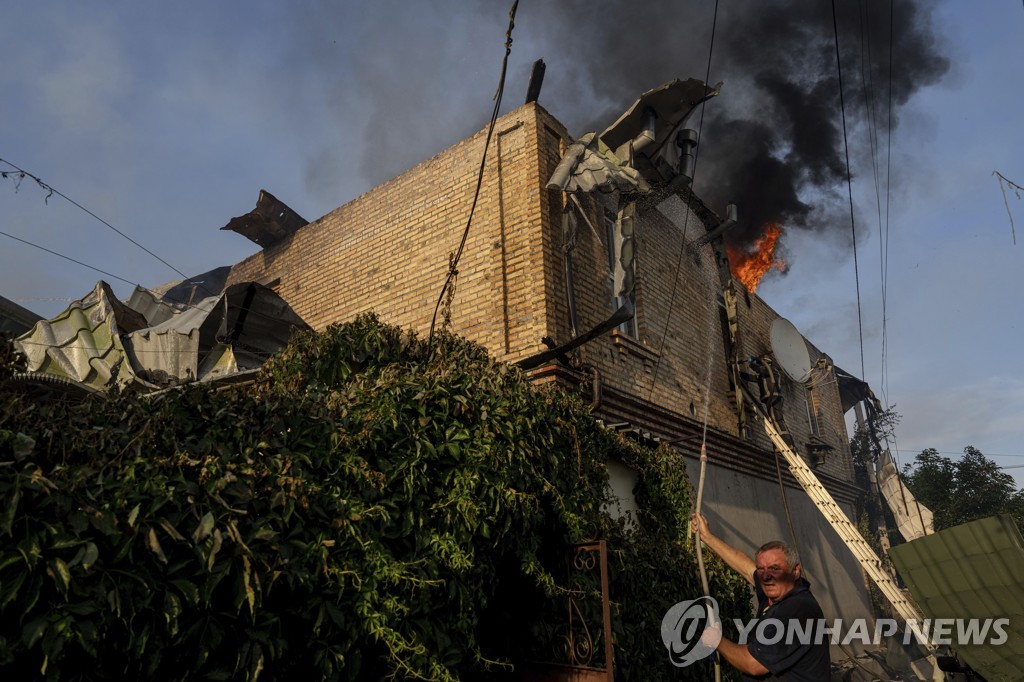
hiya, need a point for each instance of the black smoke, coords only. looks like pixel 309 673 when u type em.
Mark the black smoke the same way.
pixel 414 78
pixel 772 142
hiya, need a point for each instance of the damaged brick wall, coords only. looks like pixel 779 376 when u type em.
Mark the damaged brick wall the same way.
pixel 387 251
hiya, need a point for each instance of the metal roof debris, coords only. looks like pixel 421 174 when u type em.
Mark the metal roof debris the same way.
pixel 590 166
pixel 270 222
pixel 671 104
pixel 913 519
pixel 972 571
pixel 100 342
pixel 188 291
pixel 647 146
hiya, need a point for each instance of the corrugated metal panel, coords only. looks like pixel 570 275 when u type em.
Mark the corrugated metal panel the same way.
pixel 154 309
pixel 100 337
pixel 83 343
pixel 974 570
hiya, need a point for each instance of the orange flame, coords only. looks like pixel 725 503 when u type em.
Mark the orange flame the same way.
pixel 750 265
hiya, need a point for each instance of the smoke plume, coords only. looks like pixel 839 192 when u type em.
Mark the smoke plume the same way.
pixel 772 141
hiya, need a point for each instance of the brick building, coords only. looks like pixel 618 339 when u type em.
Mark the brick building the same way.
pixel 387 251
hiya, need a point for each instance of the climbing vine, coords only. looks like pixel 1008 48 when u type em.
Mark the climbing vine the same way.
pixel 371 506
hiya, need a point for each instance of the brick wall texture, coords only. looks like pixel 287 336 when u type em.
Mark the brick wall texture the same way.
pixel 387 251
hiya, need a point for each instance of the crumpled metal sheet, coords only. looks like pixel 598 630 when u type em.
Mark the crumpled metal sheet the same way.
pixel 974 570
pixel 270 222
pixel 183 293
pixel 83 343
pixel 153 308
pixel 99 337
pixel 672 102
pixel 913 519
pixel 590 166
pixel 607 162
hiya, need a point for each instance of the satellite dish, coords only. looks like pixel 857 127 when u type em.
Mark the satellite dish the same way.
pixel 790 351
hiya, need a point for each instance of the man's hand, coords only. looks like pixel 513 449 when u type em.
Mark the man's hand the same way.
pixel 699 523
pixel 737 560
pixel 712 634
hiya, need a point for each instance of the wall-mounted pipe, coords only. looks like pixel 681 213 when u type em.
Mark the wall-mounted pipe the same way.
pixel 596 394
pixel 645 137
pixel 686 140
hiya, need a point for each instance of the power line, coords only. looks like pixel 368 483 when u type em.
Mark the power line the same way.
pixel 961 452
pixel 868 87
pixel 849 185
pixel 24 173
pixel 1017 188
pixel 884 242
pixel 137 351
pixel 69 258
pixel 454 262
pixel 50 299
pixel 686 214
pixel 162 297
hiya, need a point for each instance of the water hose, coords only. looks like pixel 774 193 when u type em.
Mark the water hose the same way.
pixel 700 548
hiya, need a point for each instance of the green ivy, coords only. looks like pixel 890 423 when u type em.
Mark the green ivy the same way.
pixel 372 506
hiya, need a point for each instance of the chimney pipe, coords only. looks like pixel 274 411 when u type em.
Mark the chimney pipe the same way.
pixel 686 140
pixel 536 81
pixel 731 216
pixel 645 138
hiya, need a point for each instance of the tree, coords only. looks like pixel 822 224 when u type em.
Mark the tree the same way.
pixel 973 487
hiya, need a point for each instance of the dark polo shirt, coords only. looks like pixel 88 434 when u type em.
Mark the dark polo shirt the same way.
pixel 793 659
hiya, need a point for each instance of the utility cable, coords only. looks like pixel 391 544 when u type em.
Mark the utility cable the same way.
pixel 61 255
pixel 454 262
pixel 867 86
pixel 141 351
pixel 961 452
pixel 885 242
pixel 174 304
pixel 24 173
pixel 1018 188
pixel 698 545
pixel 686 214
pixel 849 185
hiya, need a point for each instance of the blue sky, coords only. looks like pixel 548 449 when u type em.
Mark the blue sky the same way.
pixel 166 121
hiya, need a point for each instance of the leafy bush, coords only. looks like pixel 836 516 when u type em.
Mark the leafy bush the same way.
pixel 371 506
